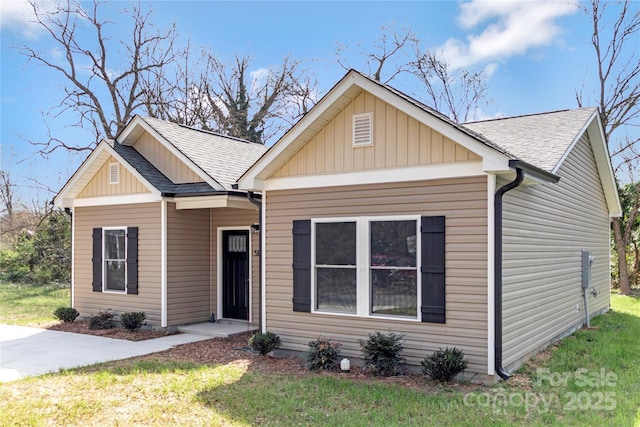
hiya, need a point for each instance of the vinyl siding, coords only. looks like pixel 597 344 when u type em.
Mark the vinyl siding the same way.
pixel 188 265
pixel 145 216
pixel 230 218
pixel 399 140
pixel 166 162
pixel 462 201
pixel 546 226
pixel 99 185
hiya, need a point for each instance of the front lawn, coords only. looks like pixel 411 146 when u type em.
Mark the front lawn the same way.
pixel 590 379
pixel 30 305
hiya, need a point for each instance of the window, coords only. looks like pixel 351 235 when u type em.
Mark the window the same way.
pixel 115 259
pixel 366 260
pixel 391 267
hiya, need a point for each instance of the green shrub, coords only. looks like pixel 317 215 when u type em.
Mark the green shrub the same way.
pixel 66 314
pixel 381 353
pixel 133 320
pixel 444 365
pixel 322 354
pixel 264 343
pixel 102 320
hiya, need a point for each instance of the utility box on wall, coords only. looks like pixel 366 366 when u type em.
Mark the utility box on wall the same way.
pixel 587 263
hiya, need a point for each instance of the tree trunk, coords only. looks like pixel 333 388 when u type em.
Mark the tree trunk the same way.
pixel 623 268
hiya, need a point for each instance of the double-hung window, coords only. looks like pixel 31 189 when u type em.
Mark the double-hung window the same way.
pixel 115 259
pixel 366 266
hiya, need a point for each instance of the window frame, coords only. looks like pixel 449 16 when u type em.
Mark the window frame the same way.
pixel 363 266
pixel 105 289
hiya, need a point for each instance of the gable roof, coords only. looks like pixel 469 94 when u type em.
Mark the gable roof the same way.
pixel 539 143
pixel 219 160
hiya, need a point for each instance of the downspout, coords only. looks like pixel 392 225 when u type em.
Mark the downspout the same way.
pixel 258 203
pixel 498 269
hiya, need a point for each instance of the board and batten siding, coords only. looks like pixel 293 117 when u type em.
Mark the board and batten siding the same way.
pixel 463 201
pixel 398 140
pixel 165 161
pixel 230 218
pixel 546 226
pixel 188 265
pixel 145 216
pixel 99 185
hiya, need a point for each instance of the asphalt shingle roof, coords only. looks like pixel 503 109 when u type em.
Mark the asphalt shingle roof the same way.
pixel 223 158
pixel 538 139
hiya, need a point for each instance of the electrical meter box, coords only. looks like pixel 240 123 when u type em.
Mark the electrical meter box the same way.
pixel 587 263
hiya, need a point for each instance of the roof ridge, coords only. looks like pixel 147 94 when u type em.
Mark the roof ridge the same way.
pixel 544 113
pixel 209 132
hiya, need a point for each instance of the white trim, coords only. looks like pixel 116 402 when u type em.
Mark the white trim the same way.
pixel 363 267
pixel 63 200
pixel 263 263
pixel 408 174
pixel 163 263
pixel 139 121
pixel 219 268
pixel 215 201
pixel 73 259
pixel 117 200
pixel 491 190
pixel 103 261
pixel 350 84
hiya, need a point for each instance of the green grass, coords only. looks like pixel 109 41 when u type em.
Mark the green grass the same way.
pixel 28 305
pixel 578 383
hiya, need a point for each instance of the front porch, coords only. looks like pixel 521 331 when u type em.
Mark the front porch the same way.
pixel 220 329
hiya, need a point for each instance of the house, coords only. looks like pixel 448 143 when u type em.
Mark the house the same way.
pixel 158 226
pixel 380 214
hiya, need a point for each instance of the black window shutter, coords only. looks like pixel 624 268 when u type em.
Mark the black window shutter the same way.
pixel 433 269
pixel 96 260
pixel 302 265
pixel 132 260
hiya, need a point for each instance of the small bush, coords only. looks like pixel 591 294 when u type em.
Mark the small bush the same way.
pixel 66 314
pixel 102 320
pixel 381 353
pixel 444 365
pixel 133 320
pixel 323 354
pixel 264 343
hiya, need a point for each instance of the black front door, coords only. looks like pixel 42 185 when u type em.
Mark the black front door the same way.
pixel 235 274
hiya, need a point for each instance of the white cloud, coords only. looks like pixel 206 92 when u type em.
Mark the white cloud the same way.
pixel 513 27
pixel 17 15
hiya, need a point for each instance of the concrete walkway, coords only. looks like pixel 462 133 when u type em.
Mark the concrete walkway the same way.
pixel 31 351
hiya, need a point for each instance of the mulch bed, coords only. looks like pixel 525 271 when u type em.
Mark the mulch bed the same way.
pixel 218 351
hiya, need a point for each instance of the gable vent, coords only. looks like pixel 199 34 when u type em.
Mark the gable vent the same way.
pixel 362 129
pixel 114 173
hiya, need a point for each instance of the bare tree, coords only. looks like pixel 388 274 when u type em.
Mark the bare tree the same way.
pixel 7 194
pixel 102 90
pixel 618 98
pixel 458 93
pixel 389 48
pixel 234 99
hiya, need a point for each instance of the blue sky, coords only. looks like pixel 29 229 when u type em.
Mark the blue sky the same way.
pixel 537 53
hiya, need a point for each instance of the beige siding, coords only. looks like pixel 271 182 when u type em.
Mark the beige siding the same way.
pixel 188 265
pixel 399 140
pixel 230 218
pixel 99 185
pixel 546 227
pixel 147 218
pixel 462 201
pixel 167 163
